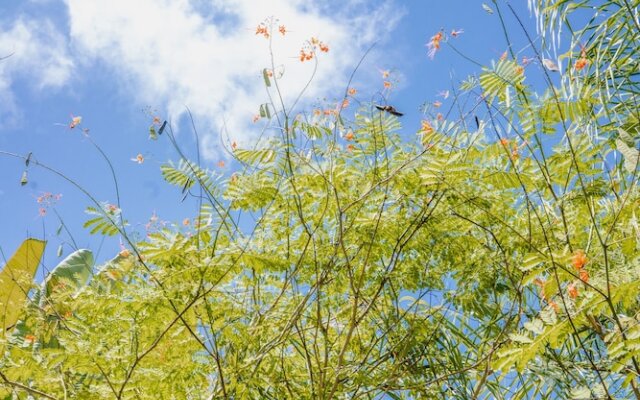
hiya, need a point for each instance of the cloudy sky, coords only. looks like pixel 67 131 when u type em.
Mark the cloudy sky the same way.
pixel 118 63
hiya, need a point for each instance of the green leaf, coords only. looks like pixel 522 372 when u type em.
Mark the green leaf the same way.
pixel 497 81
pixel 23 179
pixel 264 111
pixel 252 157
pixel 16 280
pixel 153 135
pixel 265 75
pixel 162 128
pixel 72 273
pixel 105 222
pixel 631 154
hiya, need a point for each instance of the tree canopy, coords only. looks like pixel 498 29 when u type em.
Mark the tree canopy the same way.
pixel 497 255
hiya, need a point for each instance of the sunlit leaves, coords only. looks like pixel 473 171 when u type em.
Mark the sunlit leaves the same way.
pixel 106 220
pixel 504 76
pixel 630 153
pixel 255 157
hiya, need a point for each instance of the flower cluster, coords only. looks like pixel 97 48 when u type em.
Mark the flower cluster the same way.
pixel 389 81
pixel 426 127
pixel 579 260
pixel 515 149
pixel 111 209
pixel 264 28
pixel 46 200
pixel 309 49
pixel 154 223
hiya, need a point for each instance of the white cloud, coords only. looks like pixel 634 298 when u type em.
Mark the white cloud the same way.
pixel 35 51
pixel 204 54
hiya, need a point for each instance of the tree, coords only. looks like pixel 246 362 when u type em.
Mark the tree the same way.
pixel 494 257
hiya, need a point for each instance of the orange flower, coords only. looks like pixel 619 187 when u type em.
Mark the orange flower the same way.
pixel 256 118
pixel 504 141
pixel 520 69
pixel 112 208
pixel 331 111
pixel 572 290
pixel 282 29
pixel 434 44
pixel 156 120
pixel 186 222
pixel 503 56
pixel 139 158
pixel 324 48
pixel 456 33
pixel 350 147
pixel 352 91
pixel 554 305
pixel 581 63
pixel 349 136
pixel 345 103
pixel 221 164
pixel 584 276
pixel 68 314
pixel 29 338
pixel 387 85
pixel 304 56
pixel 437 104
pixel 234 145
pixel 385 74
pixel 579 259
pixel 42 211
pixel 262 30
pixel 426 127
pixel 124 253
pixel 317 112
pixel 75 121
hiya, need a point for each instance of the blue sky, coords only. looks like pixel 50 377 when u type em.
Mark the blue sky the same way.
pixel 117 63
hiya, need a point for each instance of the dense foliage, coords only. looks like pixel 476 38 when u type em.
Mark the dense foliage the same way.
pixel 496 256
